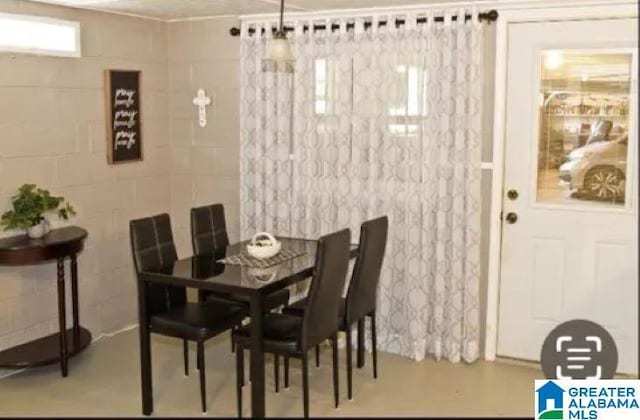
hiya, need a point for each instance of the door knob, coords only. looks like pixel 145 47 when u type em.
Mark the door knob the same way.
pixel 511 218
pixel 512 194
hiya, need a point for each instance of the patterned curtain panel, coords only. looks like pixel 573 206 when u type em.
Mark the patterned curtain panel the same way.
pixel 266 145
pixel 385 120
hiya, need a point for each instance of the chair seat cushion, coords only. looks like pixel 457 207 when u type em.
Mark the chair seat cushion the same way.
pixel 297 308
pixel 282 333
pixel 271 301
pixel 196 321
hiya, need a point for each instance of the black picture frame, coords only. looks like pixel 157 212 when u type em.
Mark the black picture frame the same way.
pixel 123 119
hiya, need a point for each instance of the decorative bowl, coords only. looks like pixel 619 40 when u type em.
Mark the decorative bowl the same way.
pixel 263 245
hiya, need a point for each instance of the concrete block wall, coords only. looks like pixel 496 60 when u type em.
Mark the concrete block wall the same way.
pixel 52 133
pixel 205 161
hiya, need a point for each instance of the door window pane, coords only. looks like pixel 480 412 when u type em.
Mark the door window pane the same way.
pixel 582 147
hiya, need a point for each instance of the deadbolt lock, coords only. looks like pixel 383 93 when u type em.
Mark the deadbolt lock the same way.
pixel 511 218
pixel 512 194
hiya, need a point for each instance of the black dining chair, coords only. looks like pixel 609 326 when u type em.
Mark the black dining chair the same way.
pixel 208 229
pixel 360 301
pixel 292 335
pixel 208 234
pixel 166 307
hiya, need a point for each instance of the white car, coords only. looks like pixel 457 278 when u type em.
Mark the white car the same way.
pixel 597 169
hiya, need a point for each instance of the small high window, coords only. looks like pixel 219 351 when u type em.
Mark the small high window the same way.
pixel 39 35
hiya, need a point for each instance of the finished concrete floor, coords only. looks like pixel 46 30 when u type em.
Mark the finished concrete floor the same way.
pixel 105 381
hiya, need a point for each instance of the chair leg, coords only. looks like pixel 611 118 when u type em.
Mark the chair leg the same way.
pixel 336 381
pixel 203 380
pixel 231 339
pixel 286 372
pixel 374 345
pixel 185 350
pixel 317 355
pixel 276 371
pixel 198 358
pixel 239 378
pixel 360 344
pixel 349 363
pixel 305 384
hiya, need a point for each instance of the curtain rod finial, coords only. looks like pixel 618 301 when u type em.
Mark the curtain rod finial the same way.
pixel 234 31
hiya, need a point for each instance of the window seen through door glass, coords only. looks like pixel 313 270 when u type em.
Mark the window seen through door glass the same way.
pixel 583 136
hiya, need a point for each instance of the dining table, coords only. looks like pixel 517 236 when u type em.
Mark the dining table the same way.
pixel 208 273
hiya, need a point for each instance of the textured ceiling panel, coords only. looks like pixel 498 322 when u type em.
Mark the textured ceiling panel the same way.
pixel 174 9
pixel 355 4
pixel 180 9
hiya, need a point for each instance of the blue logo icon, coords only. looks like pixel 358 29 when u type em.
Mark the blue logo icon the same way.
pixel 550 397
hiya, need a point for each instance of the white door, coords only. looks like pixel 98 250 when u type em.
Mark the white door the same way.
pixel 571 143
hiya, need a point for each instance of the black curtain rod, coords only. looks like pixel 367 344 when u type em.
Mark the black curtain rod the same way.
pixel 490 16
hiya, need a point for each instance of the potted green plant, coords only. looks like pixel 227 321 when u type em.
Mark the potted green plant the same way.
pixel 30 205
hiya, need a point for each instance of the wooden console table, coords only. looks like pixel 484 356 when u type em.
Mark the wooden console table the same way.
pixel 56 245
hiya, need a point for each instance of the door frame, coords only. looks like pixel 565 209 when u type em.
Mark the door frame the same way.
pixel 543 11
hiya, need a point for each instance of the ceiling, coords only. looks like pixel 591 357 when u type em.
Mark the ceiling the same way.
pixel 182 9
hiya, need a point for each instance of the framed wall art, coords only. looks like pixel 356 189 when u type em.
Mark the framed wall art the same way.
pixel 124 123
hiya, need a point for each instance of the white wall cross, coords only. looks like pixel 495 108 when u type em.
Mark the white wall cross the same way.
pixel 202 101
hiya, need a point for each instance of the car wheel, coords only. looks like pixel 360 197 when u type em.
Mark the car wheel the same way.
pixel 604 183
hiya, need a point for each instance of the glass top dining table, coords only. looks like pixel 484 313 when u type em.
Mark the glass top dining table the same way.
pixel 205 272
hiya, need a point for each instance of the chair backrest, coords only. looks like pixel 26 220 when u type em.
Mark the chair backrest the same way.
pixel 208 229
pixel 321 316
pixel 153 247
pixel 362 290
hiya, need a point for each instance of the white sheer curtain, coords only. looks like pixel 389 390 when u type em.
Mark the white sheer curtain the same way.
pixel 385 120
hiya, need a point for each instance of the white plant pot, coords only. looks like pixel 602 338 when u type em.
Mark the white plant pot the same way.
pixel 39 230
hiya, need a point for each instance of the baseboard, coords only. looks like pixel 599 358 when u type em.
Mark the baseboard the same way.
pixel 532 364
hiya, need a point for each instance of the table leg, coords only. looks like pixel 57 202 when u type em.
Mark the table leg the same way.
pixel 62 319
pixel 145 351
pixel 74 300
pixel 360 350
pixel 257 359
